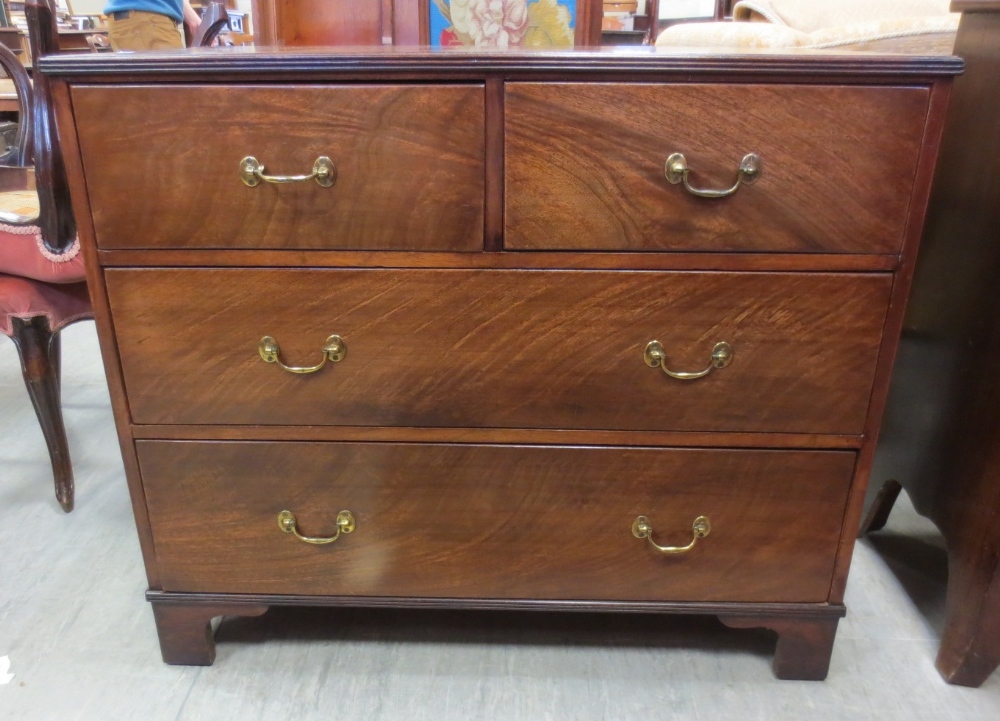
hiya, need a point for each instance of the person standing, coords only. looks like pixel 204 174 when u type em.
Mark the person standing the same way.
pixel 149 24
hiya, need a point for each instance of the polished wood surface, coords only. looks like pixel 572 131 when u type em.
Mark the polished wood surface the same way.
pixel 39 350
pixel 453 348
pixel 55 215
pixel 105 333
pixel 940 95
pixel 495 521
pixel 939 438
pixel 805 630
pixel 741 262
pixel 804 644
pixel 318 22
pixel 585 167
pixel 185 631
pixel 463 328
pixel 409 166
pixel 652 64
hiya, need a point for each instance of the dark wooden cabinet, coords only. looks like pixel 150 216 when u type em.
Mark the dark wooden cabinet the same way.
pixel 939 439
pixel 513 356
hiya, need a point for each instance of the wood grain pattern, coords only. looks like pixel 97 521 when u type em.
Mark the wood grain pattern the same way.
pixel 940 94
pixel 495 521
pixel 313 23
pixel 512 345
pixel 506 349
pixel 409 163
pixel 584 166
pixel 537 259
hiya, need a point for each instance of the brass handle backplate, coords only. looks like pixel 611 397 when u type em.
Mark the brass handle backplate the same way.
pixel 288 524
pixel 641 528
pixel 656 357
pixel 676 169
pixel 324 172
pixel 334 351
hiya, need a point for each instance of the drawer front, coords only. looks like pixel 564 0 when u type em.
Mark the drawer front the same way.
pixel 495 521
pixel 585 166
pixel 500 348
pixel 166 172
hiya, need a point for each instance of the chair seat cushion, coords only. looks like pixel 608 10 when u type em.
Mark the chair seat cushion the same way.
pixel 61 304
pixel 22 253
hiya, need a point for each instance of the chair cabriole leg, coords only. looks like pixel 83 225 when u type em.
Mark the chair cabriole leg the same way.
pixel 39 349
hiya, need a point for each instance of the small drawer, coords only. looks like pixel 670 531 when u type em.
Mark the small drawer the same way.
pixel 406 165
pixel 500 348
pixel 494 521
pixel 579 179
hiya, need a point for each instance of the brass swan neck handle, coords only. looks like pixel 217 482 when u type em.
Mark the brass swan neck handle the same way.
pixel 334 351
pixel 288 524
pixel 656 357
pixel 642 528
pixel 324 172
pixel 677 171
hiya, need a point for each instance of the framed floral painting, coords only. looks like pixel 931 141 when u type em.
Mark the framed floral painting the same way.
pixel 503 23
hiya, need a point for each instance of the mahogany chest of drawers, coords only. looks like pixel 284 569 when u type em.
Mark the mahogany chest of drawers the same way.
pixel 598 331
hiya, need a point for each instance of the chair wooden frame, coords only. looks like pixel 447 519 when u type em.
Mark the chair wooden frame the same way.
pixel 36 163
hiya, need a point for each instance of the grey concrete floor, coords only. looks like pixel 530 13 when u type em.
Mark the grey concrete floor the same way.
pixel 81 643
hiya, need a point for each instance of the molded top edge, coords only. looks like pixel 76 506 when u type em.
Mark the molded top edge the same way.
pixel 278 60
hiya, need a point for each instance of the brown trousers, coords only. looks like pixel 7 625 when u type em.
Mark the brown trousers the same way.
pixel 144 31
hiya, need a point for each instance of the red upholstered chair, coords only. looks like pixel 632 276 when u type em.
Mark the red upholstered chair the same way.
pixel 42 288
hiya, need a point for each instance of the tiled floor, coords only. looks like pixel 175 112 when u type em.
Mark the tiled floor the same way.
pixel 81 641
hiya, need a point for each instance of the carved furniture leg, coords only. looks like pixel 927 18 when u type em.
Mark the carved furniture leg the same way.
pixel 39 350
pixel 804 645
pixel 185 630
pixel 878 514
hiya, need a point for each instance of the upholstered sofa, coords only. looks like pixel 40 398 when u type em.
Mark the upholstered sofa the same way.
pixel 907 26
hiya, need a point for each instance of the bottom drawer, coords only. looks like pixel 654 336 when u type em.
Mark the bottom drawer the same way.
pixel 495 521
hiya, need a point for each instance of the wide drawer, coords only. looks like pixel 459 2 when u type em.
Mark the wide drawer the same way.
pixel 585 166
pixel 500 348
pixel 495 521
pixel 166 173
